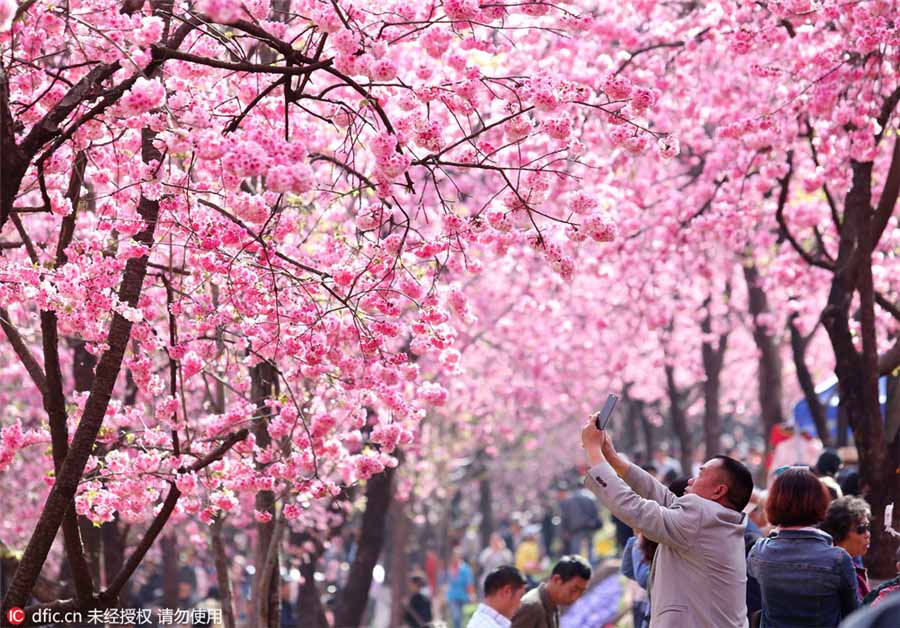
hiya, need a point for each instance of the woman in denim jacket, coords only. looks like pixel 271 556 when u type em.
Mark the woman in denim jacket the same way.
pixel 805 580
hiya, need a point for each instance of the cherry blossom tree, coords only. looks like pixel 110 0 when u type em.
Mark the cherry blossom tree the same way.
pixel 250 209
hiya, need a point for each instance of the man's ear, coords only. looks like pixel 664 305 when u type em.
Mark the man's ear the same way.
pixel 721 491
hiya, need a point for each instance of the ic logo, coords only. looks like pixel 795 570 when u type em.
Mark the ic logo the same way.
pixel 15 616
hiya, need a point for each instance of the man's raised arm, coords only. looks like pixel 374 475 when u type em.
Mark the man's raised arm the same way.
pixel 642 482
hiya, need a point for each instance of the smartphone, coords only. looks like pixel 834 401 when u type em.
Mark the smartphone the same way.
pixel 601 417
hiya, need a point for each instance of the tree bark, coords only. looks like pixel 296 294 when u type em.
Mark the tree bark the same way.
pixel 770 393
pixel 63 492
pixel 804 377
pixel 265 583
pixel 309 599
pixel 486 507
pixel 629 434
pixel 713 359
pixel 640 408
pixel 169 547
pixel 352 600
pixel 857 369
pixel 113 540
pixel 223 578
pixel 399 573
pixel 679 420
pixel 83 363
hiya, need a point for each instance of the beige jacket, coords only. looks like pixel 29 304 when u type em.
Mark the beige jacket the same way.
pixel 699 572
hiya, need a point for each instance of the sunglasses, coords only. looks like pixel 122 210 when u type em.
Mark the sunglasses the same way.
pixel 863 528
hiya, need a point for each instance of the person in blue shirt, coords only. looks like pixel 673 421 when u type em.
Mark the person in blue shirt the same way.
pixel 636 566
pixel 460 587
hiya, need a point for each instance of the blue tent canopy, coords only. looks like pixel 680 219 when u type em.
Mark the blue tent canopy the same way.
pixel 828 395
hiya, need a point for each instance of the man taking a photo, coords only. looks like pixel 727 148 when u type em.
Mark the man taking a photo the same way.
pixel 698 577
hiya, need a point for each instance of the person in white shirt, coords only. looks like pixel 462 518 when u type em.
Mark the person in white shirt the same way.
pixel 503 590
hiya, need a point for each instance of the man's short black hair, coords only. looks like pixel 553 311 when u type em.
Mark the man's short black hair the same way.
pixel 739 480
pixel 503 576
pixel 829 463
pixel 572 566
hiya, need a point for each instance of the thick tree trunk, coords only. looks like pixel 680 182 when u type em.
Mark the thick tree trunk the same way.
pixel 629 435
pixel 169 547
pixel 113 540
pixel 486 507
pixel 640 409
pixel 713 359
pixel 265 583
pixel 83 364
pixel 63 492
pixel 223 579
pixel 399 573
pixel 770 393
pixel 679 421
pixel 309 601
pixel 353 598
pixel 857 370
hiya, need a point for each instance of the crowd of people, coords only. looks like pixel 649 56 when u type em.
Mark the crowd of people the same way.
pixel 708 555
pixel 710 550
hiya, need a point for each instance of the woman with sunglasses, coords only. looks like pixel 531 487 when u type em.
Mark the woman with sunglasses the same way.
pixel 805 581
pixel 847 521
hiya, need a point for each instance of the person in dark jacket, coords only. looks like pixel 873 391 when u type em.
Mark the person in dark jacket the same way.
pixel 805 581
pixel 580 519
pixel 418 609
pixel 886 615
pixel 540 606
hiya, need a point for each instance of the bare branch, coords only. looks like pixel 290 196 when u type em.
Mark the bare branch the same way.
pixel 889 361
pixel 28 360
pixel 888 200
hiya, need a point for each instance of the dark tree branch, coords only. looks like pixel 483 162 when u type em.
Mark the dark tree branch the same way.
pixel 889 361
pixel 28 360
pixel 804 377
pixel 888 200
pixel 636 53
pixel 163 53
pixel 783 194
pixel 887 306
pixel 108 368
pixel 887 110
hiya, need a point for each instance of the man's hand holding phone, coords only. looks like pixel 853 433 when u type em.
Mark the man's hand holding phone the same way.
pixel 597 441
pixel 602 416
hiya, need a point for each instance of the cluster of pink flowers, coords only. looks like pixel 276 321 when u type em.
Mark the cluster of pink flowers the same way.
pixel 249 207
pixel 559 261
pixel 390 164
pixel 668 147
pixel 617 87
pixel 144 95
pixel 429 135
pixel 149 30
pixel 433 393
pixel 436 41
pixel 247 159
pixel 7 12
pixel 221 11
pixel 462 9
